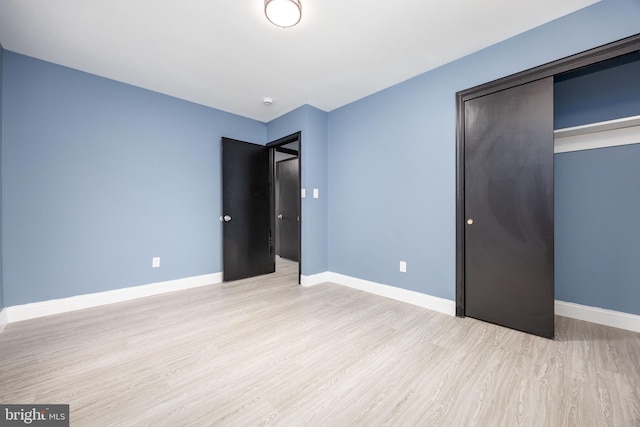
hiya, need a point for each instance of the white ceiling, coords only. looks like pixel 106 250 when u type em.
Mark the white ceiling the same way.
pixel 226 55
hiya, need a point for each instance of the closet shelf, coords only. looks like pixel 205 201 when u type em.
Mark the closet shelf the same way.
pixel 625 122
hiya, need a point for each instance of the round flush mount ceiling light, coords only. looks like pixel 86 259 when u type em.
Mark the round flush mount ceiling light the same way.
pixel 283 13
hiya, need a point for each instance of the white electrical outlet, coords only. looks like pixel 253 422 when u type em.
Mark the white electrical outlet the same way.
pixel 403 267
pixel 155 262
pixel 315 193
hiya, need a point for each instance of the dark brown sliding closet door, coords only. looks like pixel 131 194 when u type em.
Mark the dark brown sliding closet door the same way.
pixel 509 208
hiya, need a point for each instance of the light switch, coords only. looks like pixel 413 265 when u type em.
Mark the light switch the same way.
pixel 403 266
pixel 303 193
pixel 315 193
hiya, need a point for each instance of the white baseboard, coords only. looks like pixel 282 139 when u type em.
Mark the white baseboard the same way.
pixel 597 315
pixel 411 297
pixel 4 319
pixel 315 279
pixel 616 319
pixel 18 313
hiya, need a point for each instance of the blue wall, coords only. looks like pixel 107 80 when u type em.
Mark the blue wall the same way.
pixel 597 206
pixel 313 124
pixel 1 185
pixel 594 96
pixel 100 176
pixel 392 154
pixel 597 196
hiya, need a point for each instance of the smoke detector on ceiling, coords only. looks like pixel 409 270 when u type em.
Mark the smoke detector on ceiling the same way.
pixel 267 101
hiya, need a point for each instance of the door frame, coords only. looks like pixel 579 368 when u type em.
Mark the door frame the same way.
pixel 273 146
pixel 570 63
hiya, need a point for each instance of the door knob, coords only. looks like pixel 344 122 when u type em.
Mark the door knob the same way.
pixel 470 221
pixel 280 216
pixel 227 218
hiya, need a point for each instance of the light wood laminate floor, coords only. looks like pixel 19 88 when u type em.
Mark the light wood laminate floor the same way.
pixel 266 351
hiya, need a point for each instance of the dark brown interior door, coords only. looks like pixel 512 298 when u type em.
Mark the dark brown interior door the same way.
pixel 246 235
pixel 288 216
pixel 508 189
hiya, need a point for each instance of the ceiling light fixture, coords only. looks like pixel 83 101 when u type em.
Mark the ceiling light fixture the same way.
pixel 283 13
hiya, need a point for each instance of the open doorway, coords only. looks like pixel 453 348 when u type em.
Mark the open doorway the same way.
pixel 285 197
pixel 251 176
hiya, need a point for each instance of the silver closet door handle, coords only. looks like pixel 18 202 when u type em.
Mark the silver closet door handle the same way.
pixel 227 218
pixel 280 216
